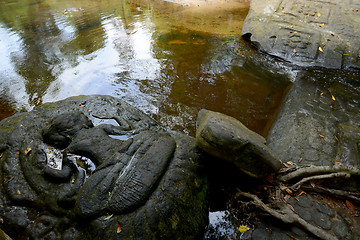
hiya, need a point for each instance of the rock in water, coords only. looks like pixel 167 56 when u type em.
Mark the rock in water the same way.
pixel 93 167
pixel 307 33
pixel 227 138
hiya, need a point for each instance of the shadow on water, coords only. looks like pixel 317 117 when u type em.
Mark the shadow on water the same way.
pixel 166 59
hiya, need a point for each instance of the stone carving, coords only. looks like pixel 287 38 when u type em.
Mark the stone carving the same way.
pixel 228 139
pixel 308 33
pixel 67 174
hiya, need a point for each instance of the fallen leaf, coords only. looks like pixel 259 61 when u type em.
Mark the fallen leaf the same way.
pixel 50 148
pixel 321 135
pixel 290 162
pixel 321 94
pixel 119 227
pixel 301 193
pixel 243 228
pixel 333 98
pixel 346 54
pixel 17 153
pixel 294 51
pixel 350 206
pixel 108 217
pixel 288 191
pixel 321 50
pixel 321 25
pixel 18 192
pixel 318 14
pixel 27 151
pixel 336 138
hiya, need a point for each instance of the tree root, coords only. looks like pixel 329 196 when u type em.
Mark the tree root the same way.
pixel 286 215
pixel 355 197
pixel 318 170
pixel 297 185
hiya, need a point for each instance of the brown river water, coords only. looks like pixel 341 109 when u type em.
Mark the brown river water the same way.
pixel 167 59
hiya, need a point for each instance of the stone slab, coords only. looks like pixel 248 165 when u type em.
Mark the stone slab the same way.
pixel 306 32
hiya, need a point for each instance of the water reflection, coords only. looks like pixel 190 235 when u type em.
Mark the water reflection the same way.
pixel 163 58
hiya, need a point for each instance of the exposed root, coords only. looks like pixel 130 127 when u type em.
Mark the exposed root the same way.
pixel 355 197
pixel 318 170
pixel 297 185
pixel 286 215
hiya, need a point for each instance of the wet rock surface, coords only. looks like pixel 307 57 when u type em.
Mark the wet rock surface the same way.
pixel 307 33
pixel 94 167
pixel 228 139
pixel 318 124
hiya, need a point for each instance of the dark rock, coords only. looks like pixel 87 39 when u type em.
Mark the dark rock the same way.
pixel 307 33
pixel 322 220
pixel 304 130
pixel 228 139
pixel 341 230
pixel 65 176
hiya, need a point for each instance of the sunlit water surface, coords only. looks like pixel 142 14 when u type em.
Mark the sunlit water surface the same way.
pixel 166 59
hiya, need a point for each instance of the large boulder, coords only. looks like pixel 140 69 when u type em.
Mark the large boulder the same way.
pixel 227 138
pixel 93 167
pixel 318 123
pixel 308 33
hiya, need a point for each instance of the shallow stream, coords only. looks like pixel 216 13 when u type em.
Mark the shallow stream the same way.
pixel 167 59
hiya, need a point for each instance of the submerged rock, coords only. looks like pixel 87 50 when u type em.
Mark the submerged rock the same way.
pixel 227 138
pixel 93 167
pixel 309 33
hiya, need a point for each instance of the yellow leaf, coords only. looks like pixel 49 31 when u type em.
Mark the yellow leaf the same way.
pixel 321 50
pixel 18 192
pixel 322 136
pixel 321 25
pixel 294 50
pixel 119 227
pixel 288 191
pixel 27 150
pixel 318 14
pixel 321 94
pixel 290 162
pixel 333 98
pixel 243 228
pixel 108 217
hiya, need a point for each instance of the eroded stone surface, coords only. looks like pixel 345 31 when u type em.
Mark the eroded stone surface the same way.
pixel 227 138
pixel 306 32
pixel 145 181
pixel 318 124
